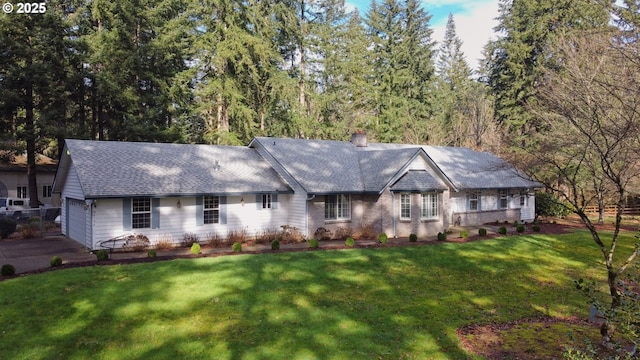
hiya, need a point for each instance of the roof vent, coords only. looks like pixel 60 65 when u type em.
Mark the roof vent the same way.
pixel 359 139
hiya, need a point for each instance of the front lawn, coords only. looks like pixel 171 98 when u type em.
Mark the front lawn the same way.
pixel 403 302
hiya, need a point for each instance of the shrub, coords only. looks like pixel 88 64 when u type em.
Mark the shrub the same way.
pixel 291 234
pixel 29 231
pixel 195 249
pixel 536 228
pixel 102 255
pixel 322 234
pixel 365 232
pixel 215 240
pixel 164 245
pixel 152 253
pixel 137 242
pixel 275 245
pixel 464 234
pixel 34 220
pixel 55 261
pixel 482 232
pixel 237 236
pixel 520 229
pixel 313 243
pixel 189 239
pixel 516 223
pixel 7 270
pixel 343 232
pixel 350 242
pixel 442 236
pixel 267 236
pixel 502 230
pixel 548 204
pixel 413 237
pixel 7 227
pixel 237 246
pixel 383 238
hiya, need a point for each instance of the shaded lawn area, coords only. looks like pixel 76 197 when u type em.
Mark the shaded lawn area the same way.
pixel 401 302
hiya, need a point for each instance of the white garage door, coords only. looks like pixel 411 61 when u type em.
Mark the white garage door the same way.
pixel 76 223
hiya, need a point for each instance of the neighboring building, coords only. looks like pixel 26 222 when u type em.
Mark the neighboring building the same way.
pixel 14 182
pixel 111 189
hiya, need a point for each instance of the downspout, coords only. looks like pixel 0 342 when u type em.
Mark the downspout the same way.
pixel 306 214
pixel 393 214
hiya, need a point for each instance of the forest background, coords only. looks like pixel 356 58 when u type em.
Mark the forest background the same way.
pixel 224 71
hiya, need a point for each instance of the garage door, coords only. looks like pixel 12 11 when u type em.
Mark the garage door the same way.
pixel 76 222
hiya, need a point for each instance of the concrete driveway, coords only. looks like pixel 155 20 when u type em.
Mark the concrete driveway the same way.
pixel 33 254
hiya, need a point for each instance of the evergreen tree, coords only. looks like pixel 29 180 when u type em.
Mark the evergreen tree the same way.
pixel 527 28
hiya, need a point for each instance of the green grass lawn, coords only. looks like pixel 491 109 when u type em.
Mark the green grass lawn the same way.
pixel 390 303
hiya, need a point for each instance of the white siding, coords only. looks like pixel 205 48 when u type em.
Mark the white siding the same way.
pixel 528 212
pixel 241 211
pixel 73 190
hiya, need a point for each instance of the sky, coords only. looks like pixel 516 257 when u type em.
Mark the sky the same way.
pixel 474 19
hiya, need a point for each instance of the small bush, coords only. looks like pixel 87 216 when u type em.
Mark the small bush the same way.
pixel 322 234
pixel 34 220
pixel 442 236
pixel 137 242
pixel 365 232
pixel 548 204
pixel 7 270
pixel 383 238
pixel 29 231
pixel 520 229
pixel 536 228
pixel 502 230
pixel 464 234
pixel 188 239
pixel 313 243
pixel 102 255
pixel 516 223
pixel 275 245
pixel 237 236
pixel 343 232
pixel 195 249
pixel 164 242
pixel 55 261
pixel 413 237
pixel 237 246
pixel 267 236
pixel 152 253
pixel 482 232
pixel 350 242
pixel 215 240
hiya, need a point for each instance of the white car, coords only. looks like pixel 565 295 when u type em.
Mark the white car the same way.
pixel 13 207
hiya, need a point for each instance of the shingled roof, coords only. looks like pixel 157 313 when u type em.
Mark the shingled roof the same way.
pixel 119 169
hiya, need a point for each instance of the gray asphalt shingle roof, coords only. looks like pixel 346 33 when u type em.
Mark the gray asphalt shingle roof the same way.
pixel 116 169
pixel 418 180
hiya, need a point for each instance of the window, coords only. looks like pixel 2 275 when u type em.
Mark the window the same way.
pixel 141 213
pixel 503 199
pixel 523 200
pixel 474 201
pixel 429 206
pixel 405 206
pixel 22 192
pixel 266 201
pixel 211 209
pixel 337 207
pixel 46 191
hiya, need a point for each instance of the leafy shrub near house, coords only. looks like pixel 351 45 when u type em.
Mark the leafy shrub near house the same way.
pixel 350 242
pixel 520 229
pixel 383 238
pixel 413 237
pixel 536 228
pixel 482 232
pixel 237 246
pixel 548 204
pixel 313 243
pixel 502 230
pixel 442 236
pixel 322 234
pixel 55 261
pixel 152 253
pixel 275 245
pixel 7 227
pixel 464 234
pixel 7 270
pixel 102 255
pixel 195 249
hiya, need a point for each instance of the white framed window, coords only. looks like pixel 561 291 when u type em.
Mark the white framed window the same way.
pixel 211 208
pixel 266 201
pixel 523 200
pixel 141 213
pixel 337 207
pixel 474 201
pixel 405 206
pixel 21 192
pixel 46 191
pixel 429 206
pixel 503 199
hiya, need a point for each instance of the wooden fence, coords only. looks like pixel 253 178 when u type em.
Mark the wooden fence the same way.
pixel 610 210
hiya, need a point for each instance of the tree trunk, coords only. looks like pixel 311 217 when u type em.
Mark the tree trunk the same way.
pixel 30 137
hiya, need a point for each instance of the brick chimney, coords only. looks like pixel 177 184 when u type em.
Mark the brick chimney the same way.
pixel 359 139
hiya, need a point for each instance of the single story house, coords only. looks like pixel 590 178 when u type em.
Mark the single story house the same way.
pixel 14 182
pixel 110 189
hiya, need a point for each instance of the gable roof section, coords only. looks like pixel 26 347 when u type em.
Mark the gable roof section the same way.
pixel 418 180
pixel 379 167
pixel 120 169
